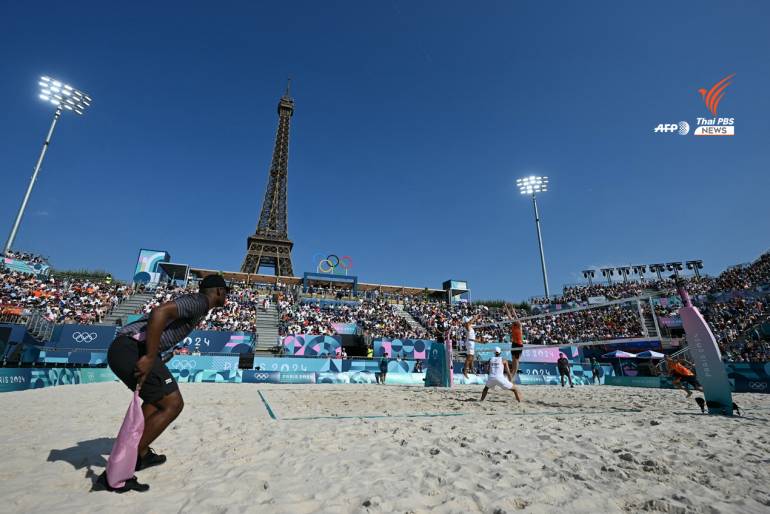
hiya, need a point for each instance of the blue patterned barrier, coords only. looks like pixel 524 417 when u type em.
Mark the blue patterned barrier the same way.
pixel 213 341
pixel 373 365
pixel 407 348
pixel 18 334
pixel 253 376
pixel 297 364
pixel 650 382
pixel 311 346
pixel 232 376
pixel 20 379
pixel 14 379
pixel 298 378
pixel 744 377
pixel 203 362
pixel 348 377
pixel 749 377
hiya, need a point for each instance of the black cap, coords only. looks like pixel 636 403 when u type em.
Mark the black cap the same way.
pixel 213 281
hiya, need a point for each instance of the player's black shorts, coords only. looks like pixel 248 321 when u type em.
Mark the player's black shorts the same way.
pixel 516 355
pixel 563 371
pixel 122 356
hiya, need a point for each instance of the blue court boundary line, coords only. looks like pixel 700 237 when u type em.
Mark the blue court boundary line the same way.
pixel 267 405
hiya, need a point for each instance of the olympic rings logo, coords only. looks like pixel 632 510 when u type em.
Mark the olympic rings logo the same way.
pixel 760 386
pixel 261 376
pixel 333 264
pixel 84 337
pixel 183 364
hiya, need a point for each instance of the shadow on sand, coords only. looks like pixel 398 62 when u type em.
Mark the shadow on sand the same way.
pixel 86 454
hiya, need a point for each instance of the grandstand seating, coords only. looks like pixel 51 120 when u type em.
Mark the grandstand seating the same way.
pixel 735 303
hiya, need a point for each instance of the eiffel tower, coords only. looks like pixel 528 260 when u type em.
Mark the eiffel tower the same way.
pixel 270 246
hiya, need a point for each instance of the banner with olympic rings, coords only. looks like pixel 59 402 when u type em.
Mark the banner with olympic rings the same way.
pixel 332 264
pixel 202 362
pixel 86 337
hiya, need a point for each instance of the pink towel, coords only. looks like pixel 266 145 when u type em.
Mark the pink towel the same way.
pixel 122 462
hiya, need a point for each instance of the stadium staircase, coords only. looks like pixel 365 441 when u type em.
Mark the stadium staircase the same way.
pixel 39 328
pixel 649 325
pixel 409 319
pixel 267 330
pixel 129 306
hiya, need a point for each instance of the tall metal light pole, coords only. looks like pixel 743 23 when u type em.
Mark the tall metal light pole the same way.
pixel 531 186
pixel 65 98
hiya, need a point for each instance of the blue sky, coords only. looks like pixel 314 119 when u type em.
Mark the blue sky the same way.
pixel 412 122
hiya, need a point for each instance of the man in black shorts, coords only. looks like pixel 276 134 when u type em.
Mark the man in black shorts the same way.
pixel 383 369
pixel 564 369
pixel 134 356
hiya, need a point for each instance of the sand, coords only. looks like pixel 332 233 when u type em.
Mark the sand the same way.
pixel 568 450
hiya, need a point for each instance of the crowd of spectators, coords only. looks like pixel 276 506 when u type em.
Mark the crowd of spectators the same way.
pixel 377 315
pixel 58 300
pixel 732 320
pixel 742 278
pixel 736 278
pixel 239 313
pixel 376 318
pixel 612 322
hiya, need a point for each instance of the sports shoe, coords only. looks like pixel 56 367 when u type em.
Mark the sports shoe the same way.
pixel 149 460
pixel 132 484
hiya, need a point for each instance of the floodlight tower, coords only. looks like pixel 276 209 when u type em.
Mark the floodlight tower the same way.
pixel 64 97
pixel 695 266
pixel 531 186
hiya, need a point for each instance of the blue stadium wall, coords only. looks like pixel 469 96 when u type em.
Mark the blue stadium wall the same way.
pixel 316 362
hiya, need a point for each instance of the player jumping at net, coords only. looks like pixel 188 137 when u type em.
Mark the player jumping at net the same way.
pixel 470 345
pixel 134 356
pixel 499 374
pixel 681 373
pixel 517 340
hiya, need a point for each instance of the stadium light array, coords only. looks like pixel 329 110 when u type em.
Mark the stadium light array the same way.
pixel 657 269
pixel 676 267
pixel 608 273
pixel 623 271
pixel 63 95
pixel 589 274
pixel 531 186
pixel 640 269
pixel 65 98
pixel 695 266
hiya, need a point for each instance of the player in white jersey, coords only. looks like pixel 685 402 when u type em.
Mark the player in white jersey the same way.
pixel 499 374
pixel 470 345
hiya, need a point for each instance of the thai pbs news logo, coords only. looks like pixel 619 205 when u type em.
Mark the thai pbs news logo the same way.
pixel 717 125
